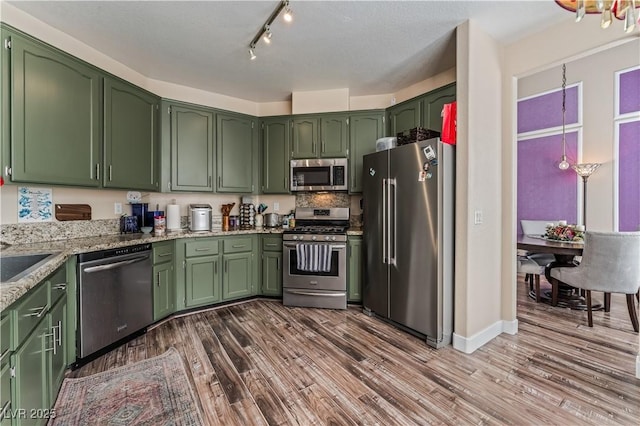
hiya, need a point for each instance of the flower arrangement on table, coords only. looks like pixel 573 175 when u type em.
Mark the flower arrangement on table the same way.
pixel 564 232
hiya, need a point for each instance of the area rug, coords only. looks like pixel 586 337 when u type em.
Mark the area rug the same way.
pixel 155 391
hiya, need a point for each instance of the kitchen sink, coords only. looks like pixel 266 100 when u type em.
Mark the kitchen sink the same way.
pixel 12 268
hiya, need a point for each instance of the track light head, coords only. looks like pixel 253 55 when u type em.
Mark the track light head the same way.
pixel 252 55
pixel 288 15
pixel 267 34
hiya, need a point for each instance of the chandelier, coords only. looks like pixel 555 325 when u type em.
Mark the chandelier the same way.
pixel 620 9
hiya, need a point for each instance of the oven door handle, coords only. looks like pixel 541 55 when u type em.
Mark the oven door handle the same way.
pixel 333 246
pixel 313 293
pixel 114 265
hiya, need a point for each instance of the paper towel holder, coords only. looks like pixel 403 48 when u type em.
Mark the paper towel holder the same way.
pixel 173 217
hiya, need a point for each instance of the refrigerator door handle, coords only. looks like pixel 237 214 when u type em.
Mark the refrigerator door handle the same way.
pixel 393 205
pixel 385 205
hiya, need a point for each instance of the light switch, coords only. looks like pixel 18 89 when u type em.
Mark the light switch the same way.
pixel 276 207
pixel 477 217
pixel 117 208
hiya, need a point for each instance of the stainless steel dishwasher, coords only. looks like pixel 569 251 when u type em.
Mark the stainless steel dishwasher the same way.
pixel 115 291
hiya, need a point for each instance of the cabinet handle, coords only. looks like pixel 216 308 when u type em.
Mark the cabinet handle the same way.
pixel 165 254
pixel 209 181
pixel 272 245
pixel 53 335
pixel 226 265
pixel 239 246
pixel 313 147
pixel 158 274
pixel 59 287
pixel 219 181
pixel 97 171
pixel 59 333
pixel 42 309
pixel 203 249
pixel 215 268
pixel 277 263
pixel 110 169
pixel 324 146
pixel 6 351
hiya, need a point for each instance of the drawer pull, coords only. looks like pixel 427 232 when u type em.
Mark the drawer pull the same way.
pixel 59 287
pixel 272 245
pixel 6 351
pixel 203 249
pixel 59 340
pixel 239 246
pixel 43 309
pixel 165 254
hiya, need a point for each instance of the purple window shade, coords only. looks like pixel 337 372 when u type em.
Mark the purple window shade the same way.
pixel 545 111
pixel 544 191
pixel 629 177
pixel 630 91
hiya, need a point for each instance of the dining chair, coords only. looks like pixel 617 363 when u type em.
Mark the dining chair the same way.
pixel 536 228
pixel 534 270
pixel 610 263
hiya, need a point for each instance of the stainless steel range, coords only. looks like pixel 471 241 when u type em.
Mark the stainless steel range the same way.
pixel 315 259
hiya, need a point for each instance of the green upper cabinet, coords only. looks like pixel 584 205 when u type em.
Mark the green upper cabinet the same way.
pixel 304 137
pixel 5 116
pixel 130 136
pixel 432 106
pixel 334 136
pixel 365 130
pixel 275 155
pixel 192 148
pixel 404 116
pixel 235 148
pixel 55 114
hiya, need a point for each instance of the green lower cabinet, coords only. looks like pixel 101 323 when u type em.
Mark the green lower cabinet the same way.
pixel 354 274
pixel 272 274
pixel 31 384
pixel 5 394
pixel 57 347
pixel 202 280
pixel 238 275
pixel 163 290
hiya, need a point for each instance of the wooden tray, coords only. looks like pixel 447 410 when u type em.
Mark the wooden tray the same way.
pixel 73 212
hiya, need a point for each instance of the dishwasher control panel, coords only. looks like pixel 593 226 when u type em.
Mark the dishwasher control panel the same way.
pixel 121 251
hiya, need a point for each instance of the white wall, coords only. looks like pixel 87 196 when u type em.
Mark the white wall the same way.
pixel 478 183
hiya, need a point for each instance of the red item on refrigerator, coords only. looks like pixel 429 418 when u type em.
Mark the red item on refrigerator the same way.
pixel 449 114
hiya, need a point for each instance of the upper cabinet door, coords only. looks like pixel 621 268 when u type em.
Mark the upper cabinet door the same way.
pixel 404 117
pixel 305 138
pixel 130 137
pixel 235 153
pixel 365 130
pixel 55 117
pixel 334 136
pixel 192 150
pixel 275 156
pixel 432 106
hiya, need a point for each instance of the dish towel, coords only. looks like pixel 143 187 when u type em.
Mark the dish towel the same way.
pixel 313 257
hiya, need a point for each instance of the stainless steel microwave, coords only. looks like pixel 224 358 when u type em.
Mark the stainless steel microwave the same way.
pixel 324 174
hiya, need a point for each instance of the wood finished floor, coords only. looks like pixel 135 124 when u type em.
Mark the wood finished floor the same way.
pixel 262 363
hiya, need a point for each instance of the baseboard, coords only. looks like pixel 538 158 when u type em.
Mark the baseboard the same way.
pixel 638 366
pixel 470 344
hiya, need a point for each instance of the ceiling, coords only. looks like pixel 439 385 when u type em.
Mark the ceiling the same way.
pixel 368 47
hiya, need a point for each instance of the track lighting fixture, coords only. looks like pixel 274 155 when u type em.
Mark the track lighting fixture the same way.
pixel 265 31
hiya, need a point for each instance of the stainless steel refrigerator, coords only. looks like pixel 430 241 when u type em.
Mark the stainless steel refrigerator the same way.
pixel 408 202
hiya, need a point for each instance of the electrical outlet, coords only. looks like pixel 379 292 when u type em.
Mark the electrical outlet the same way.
pixel 276 207
pixel 117 208
pixel 477 217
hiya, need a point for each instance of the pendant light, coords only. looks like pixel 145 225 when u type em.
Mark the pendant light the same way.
pixel 564 164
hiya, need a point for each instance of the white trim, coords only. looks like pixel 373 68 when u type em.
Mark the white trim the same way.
pixel 470 344
pixel 551 131
pixel 638 366
pixel 616 168
pixel 616 94
pixel 550 91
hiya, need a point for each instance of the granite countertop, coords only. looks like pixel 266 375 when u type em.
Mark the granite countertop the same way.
pixel 354 231
pixel 63 249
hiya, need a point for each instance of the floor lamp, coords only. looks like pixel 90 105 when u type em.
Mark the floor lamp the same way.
pixel 585 170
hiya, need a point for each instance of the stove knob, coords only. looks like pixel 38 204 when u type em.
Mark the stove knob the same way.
pixel 295 237
pixel 313 238
pixel 333 238
pixel 327 238
pixel 301 237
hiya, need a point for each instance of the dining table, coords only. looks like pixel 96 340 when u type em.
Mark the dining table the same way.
pixel 564 253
